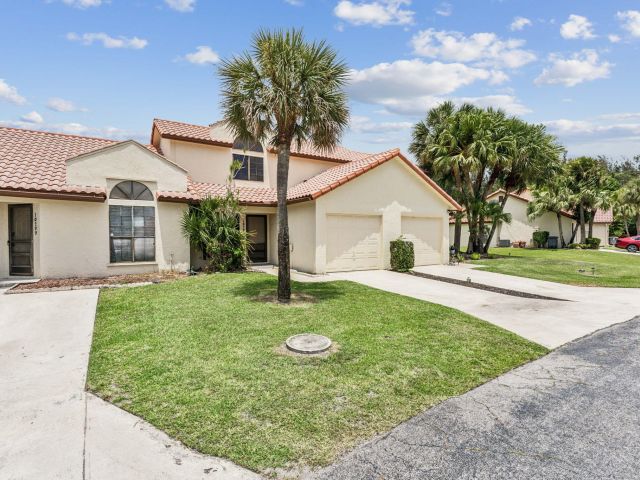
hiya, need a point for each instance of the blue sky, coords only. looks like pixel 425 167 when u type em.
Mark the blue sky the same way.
pixel 108 67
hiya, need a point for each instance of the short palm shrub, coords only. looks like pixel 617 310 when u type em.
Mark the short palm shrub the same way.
pixel 475 256
pixel 214 227
pixel 540 238
pixel 402 255
pixel 593 243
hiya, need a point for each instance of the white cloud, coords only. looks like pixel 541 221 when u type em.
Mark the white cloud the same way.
pixel 295 3
pixel 202 56
pixel 445 9
pixel 519 23
pixel 614 38
pixel 107 40
pixel 377 13
pixel 73 128
pixel 32 117
pixel 577 27
pixel 481 48
pixel 419 105
pixel 82 3
pixel 181 5
pixel 10 93
pixel 411 78
pixel 581 67
pixel 362 124
pixel 608 135
pixel 61 105
pixel 630 21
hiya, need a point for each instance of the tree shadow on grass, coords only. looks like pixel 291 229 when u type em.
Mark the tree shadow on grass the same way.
pixel 264 287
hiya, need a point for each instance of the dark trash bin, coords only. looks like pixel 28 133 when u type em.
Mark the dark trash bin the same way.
pixel 552 242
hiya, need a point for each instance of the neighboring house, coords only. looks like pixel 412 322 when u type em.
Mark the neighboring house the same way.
pixel 521 227
pixel 601 223
pixel 80 206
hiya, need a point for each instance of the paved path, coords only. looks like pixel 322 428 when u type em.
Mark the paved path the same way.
pixel 571 415
pixel 51 429
pixel 550 323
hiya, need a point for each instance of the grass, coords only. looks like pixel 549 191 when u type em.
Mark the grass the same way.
pixel 199 359
pixel 564 266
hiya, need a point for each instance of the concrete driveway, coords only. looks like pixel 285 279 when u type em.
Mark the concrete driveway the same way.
pixel 570 415
pixel 50 428
pixel 547 322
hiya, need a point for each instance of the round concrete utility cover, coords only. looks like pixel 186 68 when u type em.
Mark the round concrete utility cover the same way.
pixel 308 343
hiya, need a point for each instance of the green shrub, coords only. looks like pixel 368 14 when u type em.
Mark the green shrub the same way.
pixel 474 256
pixel 593 243
pixel 540 238
pixel 402 255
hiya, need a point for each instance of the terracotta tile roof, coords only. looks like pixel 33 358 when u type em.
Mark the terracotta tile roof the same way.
pixel 34 161
pixel 603 216
pixel 218 134
pixel 309 189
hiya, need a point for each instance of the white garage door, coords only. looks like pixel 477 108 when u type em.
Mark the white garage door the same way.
pixel 353 242
pixel 426 235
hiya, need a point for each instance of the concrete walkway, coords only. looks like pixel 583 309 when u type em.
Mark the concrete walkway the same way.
pixel 547 322
pixel 570 415
pixel 51 429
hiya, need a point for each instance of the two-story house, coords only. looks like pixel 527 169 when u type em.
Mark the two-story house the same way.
pixel 82 206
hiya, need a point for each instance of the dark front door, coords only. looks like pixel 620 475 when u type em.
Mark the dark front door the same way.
pixel 257 229
pixel 21 240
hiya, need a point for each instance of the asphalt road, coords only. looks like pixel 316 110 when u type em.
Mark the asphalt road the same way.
pixel 574 414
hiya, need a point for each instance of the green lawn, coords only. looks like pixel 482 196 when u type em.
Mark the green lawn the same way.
pixel 611 269
pixel 199 359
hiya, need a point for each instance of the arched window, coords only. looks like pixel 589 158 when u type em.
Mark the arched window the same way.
pixel 132 227
pixel 131 190
pixel 250 155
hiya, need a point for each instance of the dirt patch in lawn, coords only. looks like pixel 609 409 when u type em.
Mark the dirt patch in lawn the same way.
pixel 298 299
pixel 71 283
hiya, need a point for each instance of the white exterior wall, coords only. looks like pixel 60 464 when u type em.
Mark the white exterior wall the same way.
pixel 390 190
pixel 522 228
pixel 71 239
pixel 601 231
pixel 211 164
pixel 302 236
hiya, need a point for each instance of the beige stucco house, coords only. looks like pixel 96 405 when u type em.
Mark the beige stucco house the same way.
pixel 81 206
pixel 522 227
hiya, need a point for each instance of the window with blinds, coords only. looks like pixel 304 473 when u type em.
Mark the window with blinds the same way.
pixel 132 233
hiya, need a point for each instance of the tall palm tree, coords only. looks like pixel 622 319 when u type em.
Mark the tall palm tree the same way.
pixel 285 90
pixel 554 197
pixel 533 158
pixel 629 199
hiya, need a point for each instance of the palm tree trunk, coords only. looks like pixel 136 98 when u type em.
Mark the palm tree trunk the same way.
pixel 583 233
pixel 591 216
pixel 626 227
pixel 457 233
pixel 638 224
pixel 573 233
pixel 559 215
pixel 284 274
pixel 494 225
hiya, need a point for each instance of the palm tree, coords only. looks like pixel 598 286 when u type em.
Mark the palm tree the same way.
pixel 533 159
pixel 629 200
pixel 555 197
pixel 472 151
pixel 285 90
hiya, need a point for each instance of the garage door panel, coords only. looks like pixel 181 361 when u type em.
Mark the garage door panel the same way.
pixel 426 235
pixel 353 242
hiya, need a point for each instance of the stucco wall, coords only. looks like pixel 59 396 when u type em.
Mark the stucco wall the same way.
pixel 390 190
pixel 127 161
pixel 302 235
pixel 522 228
pixel 601 231
pixel 211 164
